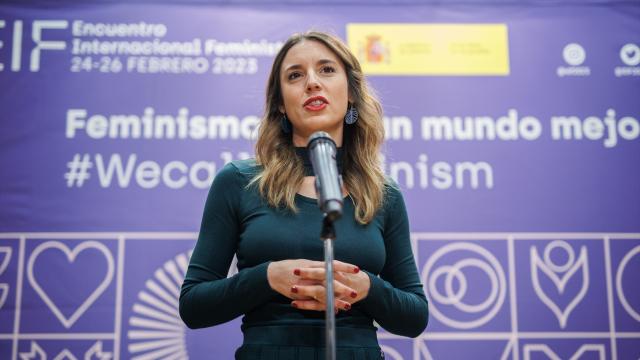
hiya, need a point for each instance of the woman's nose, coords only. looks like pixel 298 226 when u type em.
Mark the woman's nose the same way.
pixel 313 83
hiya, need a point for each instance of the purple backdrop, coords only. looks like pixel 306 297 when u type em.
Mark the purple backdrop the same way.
pixel 110 136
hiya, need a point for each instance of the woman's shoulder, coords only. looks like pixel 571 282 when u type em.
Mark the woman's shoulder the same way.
pixel 392 193
pixel 247 167
pixel 391 187
pixel 239 171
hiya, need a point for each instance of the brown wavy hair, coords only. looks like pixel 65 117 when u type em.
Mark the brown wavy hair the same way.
pixel 283 171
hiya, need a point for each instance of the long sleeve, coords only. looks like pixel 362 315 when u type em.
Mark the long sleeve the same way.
pixel 396 299
pixel 207 296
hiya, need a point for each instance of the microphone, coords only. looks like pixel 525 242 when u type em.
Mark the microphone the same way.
pixel 322 153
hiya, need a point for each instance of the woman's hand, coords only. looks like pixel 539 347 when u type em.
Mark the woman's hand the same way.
pixel 350 286
pixel 283 277
pixel 303 281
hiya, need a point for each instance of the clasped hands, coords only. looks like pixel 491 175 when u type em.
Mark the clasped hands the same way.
pixel 303 281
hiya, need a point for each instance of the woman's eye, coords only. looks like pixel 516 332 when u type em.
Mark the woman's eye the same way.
pixel 293 75
pixel 328 69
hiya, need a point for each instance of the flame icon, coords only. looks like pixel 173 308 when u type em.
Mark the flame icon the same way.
pixel 4 263
pixel 560 276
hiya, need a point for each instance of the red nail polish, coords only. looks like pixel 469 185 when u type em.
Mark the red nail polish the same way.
pixel 294 289
pixel 294 305
pixel 347 307
pixel 356 270
pixel 296 272
pixel 354 294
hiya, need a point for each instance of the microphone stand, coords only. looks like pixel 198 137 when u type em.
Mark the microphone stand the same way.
pixel 328 235
pixel 322 151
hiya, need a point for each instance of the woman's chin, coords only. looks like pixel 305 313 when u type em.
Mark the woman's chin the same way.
pixel 314 124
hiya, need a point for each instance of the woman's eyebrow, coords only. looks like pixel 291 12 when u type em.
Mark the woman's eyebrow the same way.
pixel 320 62
pixel 325 61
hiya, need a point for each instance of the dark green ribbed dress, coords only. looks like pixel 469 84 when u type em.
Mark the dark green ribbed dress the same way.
pixel 238 221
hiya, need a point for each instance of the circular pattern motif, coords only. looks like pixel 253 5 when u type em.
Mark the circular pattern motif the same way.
pixel 571 256
pixel 487 264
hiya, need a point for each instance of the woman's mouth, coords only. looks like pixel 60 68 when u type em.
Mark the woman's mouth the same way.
pixel 316 106
pixel 316 103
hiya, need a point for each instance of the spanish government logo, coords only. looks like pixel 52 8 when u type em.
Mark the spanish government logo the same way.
pixel 375 50
pixel 430 49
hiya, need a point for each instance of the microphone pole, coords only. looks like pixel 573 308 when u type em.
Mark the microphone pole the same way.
pixel 322 153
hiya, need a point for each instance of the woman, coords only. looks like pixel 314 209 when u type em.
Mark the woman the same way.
pixel 264 211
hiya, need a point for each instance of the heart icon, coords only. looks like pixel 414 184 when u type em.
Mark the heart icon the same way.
pixel 71 257
pixel 630 54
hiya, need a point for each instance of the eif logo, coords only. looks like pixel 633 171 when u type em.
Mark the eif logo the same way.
pixel 37 45
pixel 574 55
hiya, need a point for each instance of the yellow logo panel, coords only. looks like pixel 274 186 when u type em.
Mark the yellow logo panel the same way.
pixel 430 49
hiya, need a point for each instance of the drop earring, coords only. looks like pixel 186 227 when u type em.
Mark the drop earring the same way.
pixel 285 124
pixel 352 115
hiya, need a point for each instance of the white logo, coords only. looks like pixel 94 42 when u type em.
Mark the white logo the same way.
pixel 4 263
pixel 71 256
pixel 6 250
pixel 157 330
pixel 96 350
pixel 36 352
pixel 630 54
pixel 65 355
pixel 554 273
pixel 574 54
pixel 489 265
pixel 620 273
pixel 426 354
pixel 551 355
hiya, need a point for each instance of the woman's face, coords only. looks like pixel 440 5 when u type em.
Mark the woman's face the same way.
pixel 314 90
